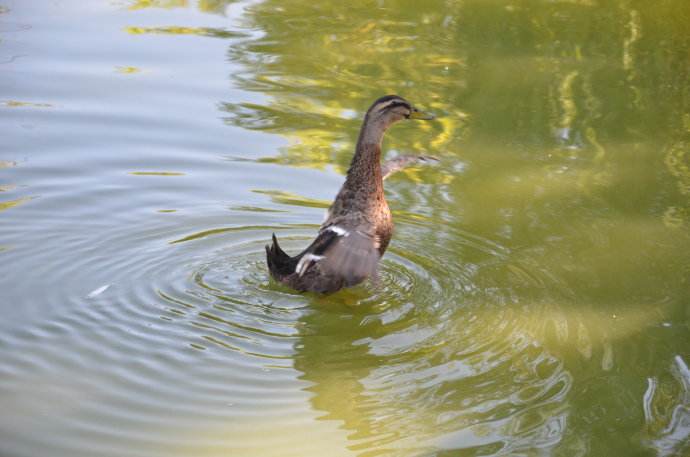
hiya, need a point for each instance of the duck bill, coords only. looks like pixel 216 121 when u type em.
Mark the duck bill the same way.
pixel 421 115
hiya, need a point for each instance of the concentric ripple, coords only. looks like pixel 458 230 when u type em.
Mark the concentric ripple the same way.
pixel 183 345
pixel 180 339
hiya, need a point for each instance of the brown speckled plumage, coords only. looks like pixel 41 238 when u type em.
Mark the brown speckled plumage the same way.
pixel 358 225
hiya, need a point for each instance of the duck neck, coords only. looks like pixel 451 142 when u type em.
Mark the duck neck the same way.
pixel 365 169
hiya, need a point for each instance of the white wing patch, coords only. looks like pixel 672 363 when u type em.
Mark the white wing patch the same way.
pixel 338 230
pixel 305 262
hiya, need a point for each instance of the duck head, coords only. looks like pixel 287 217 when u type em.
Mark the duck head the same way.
pixel 393 108
pixel 386 111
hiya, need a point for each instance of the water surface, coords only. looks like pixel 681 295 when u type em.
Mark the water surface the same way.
pixel 535 299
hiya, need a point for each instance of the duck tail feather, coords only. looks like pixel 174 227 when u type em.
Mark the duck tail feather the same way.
pixel 276 250
pixel 278 261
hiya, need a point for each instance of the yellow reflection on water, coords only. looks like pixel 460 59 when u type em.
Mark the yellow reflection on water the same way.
pixel 318 102
pixel 207 6
pixel 270 434
pixel 17 104
pixel 127 69
pixel 5 205
pixel 677 161
pixel 156 173
pixel 288 198
pixel 141 4
pixel 585 329
pixel 181 30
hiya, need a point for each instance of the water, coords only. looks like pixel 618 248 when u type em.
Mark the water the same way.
pixel 535 299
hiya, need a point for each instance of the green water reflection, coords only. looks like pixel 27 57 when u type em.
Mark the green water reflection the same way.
pixel 563 131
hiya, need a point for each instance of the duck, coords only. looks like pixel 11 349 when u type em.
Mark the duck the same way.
pixel 358 225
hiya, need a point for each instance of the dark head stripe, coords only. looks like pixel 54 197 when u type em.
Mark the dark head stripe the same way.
pixel 389 101
pixel 387 98
pixel 394 104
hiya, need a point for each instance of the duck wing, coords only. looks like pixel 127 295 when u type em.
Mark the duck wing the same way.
pixel 398 163
pixel 352 255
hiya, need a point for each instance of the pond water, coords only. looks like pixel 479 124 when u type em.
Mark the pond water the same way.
pixel 535 298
